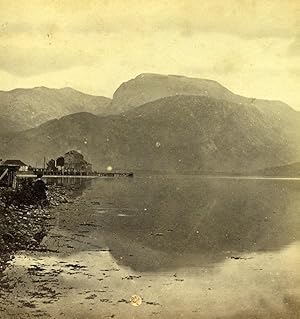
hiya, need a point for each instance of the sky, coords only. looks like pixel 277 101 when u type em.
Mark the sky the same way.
pixel 250 46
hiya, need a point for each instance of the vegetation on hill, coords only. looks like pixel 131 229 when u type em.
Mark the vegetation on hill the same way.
pixel 26 108
pixel 190 133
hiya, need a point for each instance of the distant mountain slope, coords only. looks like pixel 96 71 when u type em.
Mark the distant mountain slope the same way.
pixel 290 170
pixel 148 87
pixel 174 134
pixel 7 125
pixel 31 107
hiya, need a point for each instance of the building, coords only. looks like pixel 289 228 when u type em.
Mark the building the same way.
pixel 75 162
pixel 8 171
pixel 17 165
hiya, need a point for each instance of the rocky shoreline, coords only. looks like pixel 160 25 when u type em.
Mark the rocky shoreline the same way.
pixel 23 223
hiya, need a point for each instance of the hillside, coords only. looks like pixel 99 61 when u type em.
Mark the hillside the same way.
pixel 290 170
pixel 150 87
pixel 8 126
pixel 26 108
pixel 174 134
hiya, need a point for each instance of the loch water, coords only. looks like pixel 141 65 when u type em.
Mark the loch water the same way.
pixel 189 246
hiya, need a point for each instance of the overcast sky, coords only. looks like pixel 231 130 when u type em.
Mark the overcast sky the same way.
pixel 252 47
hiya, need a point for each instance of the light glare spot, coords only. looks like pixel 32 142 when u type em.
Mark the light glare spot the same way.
pixel 135 300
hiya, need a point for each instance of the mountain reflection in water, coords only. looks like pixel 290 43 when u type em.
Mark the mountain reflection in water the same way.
pixel 191 247
pixel 160 222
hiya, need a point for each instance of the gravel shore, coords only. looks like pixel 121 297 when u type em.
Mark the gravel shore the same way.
pixel 24 223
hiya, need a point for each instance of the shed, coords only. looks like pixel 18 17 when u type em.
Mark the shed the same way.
pixel 15 164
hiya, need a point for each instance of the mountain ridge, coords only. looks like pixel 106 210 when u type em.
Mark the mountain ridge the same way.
pixel 148 87
pixel 144 77
pixel 178 133
pixel 288 170
pixel 145 87
pixel 165 122
pixel 30 107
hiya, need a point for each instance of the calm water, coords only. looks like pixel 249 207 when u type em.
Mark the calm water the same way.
pixel 191 247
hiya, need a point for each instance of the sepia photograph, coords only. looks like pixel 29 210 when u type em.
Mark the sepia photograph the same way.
pixel 150 159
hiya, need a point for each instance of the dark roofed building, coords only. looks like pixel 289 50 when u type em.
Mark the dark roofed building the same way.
pixel 8 171
pixel 17 164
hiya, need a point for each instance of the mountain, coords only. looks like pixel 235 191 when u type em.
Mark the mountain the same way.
pixel 290 170
pixel 174 134
pixel 26 108
pixel 149 87
pixel 8 126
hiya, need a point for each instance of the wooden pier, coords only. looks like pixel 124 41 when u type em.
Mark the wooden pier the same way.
pixel 115 174
pixel 102 174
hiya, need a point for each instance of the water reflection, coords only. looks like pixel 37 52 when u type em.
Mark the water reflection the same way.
pixel 159 222
pixel 191 247
pixel 175 222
